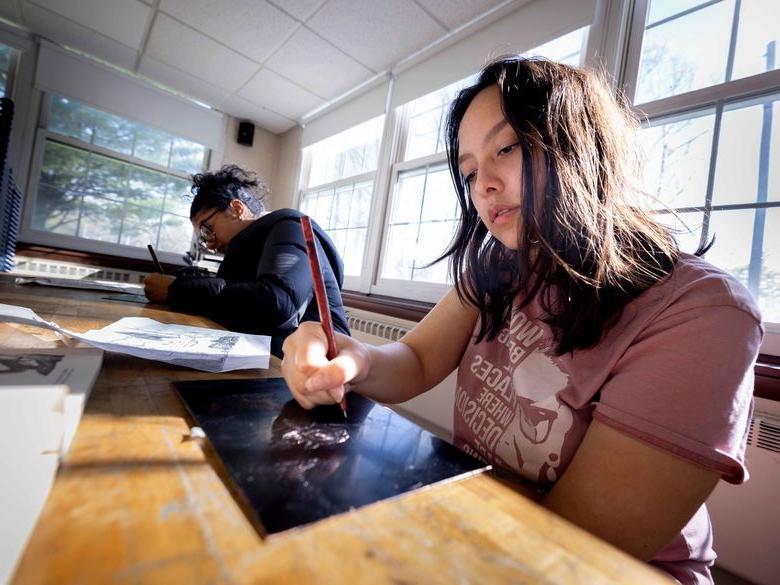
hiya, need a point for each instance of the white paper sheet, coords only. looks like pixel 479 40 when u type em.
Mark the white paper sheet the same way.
pixel 209 350
pixel 76 368
pixel 106 285
pixel 31 430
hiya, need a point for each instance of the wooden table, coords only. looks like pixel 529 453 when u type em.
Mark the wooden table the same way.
pixel 136 502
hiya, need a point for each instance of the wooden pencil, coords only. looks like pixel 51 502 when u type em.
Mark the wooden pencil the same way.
pixel 319 292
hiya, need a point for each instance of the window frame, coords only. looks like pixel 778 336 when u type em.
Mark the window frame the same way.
pixel 719 98
pixel 31 235
pixel 394 287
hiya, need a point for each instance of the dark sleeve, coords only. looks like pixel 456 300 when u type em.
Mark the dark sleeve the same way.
pixel 282 285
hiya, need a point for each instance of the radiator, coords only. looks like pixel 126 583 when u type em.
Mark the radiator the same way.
pixel 367 327
pixel 28 266
pixel 746 518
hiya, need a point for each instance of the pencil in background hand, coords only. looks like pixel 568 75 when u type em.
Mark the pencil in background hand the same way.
pixel 320 294
pixel 157 264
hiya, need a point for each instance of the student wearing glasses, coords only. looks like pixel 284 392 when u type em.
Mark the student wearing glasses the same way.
pixel 264 283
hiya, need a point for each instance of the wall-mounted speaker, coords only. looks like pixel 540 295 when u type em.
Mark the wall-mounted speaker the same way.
pixel 246 133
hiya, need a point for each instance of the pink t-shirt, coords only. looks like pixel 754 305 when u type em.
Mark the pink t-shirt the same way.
pixel 675 371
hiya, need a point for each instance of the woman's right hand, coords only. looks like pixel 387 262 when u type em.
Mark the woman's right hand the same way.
pixel 311 377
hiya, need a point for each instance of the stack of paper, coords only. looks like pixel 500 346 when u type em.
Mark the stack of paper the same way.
pixel 77 369
pixel 31 430
pixel 210 350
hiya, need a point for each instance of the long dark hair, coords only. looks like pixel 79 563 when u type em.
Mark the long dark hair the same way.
pixel 218 189
pixel 594 248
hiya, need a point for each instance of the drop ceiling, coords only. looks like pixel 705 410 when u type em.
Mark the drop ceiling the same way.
pixel 272 62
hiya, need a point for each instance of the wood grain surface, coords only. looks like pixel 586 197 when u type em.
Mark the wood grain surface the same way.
pixel 138 501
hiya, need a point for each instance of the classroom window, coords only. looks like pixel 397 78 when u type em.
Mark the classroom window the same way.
pixel 712 147
pixel 692 45
pixel 338 188
pixel 107 179
pixel 422 210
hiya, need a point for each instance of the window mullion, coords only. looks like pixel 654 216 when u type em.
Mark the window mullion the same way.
pixel 388 152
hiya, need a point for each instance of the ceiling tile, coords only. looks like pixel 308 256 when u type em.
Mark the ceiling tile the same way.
pixel 9 9
pixel 276 93
pixel 251 27
pixel 122 20
pixel 56 28
pixel 300 9
pixel 191 52
pixel 245 110
pixel 317 66
pixel 455 13
pixel 185 83
pixel 377 34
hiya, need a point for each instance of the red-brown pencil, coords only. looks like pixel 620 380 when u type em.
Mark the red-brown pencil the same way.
pixel 319 293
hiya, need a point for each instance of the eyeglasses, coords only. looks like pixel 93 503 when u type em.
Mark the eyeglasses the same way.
pixel 206 232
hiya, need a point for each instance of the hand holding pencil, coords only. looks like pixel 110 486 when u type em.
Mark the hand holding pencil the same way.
pixel 319 363
pixel 156 284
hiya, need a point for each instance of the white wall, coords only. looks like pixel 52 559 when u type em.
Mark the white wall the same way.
pixel 260 158
pixel 287 169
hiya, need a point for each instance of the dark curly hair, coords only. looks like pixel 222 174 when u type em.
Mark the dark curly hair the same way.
pixel 218 189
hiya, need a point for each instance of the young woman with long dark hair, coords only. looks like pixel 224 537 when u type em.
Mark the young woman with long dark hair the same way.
pixel 594 358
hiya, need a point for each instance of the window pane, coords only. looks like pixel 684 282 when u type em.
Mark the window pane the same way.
pixel 113 132
pixel 424 133
pixel 91 196
pixel 71 118
pixel 408 197
pixel 685 53
pixel 748 154
pixel 677 160
pixel 421 225
pixel 83 122
pixel 99 219
pixel 353 251
pixel 178 196
pixel 352 152
pixel 153 145
pixel 187 156
pixel 662 9
pixel 759 25
pixel 566 49
pixel 56 210
pixel 399 251
pixel 174 232
pixel 139 225
pixel 360 207
pixel 440 202
pixel 432 240
pixel 343 213
pixel 427 121
pixel 146 188
pixel 686 228
pixel 107 176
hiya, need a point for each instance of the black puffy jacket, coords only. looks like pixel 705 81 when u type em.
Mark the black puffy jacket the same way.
pixel 264 284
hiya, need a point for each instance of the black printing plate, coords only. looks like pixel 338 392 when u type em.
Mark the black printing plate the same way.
pixel 296 466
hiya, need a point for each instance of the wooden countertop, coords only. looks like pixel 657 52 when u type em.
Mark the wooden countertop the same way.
pixel 137 502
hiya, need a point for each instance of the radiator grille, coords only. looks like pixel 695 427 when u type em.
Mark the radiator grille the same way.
pixel 376 328
pixel 768 435
pixel 40 267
